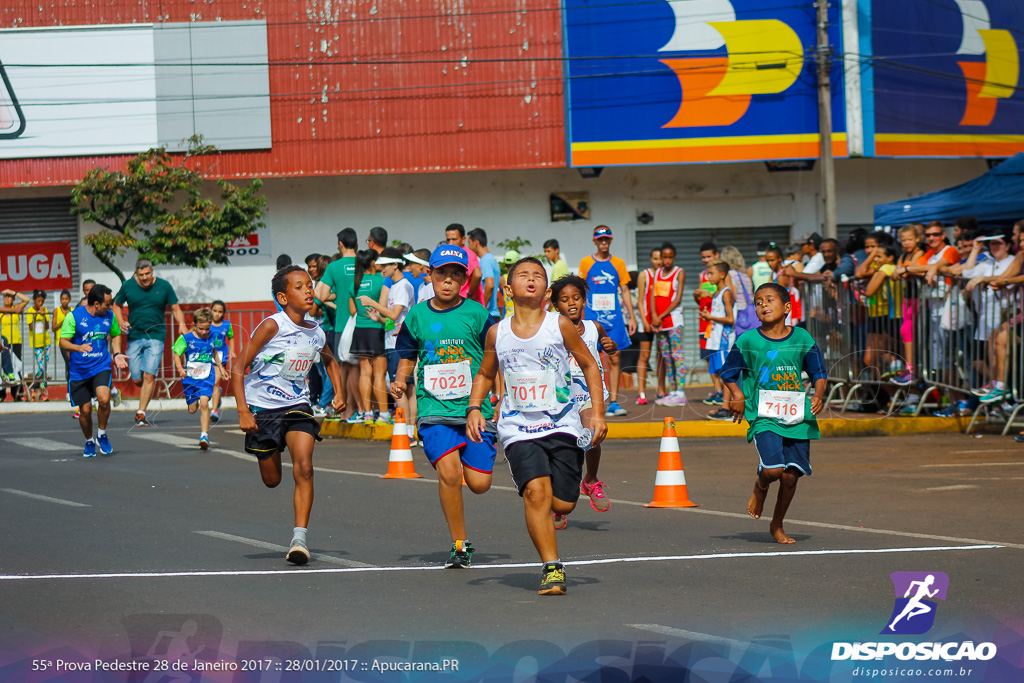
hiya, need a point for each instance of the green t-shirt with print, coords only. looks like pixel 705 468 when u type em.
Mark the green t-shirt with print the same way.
pixel 775 365
pixel 435 337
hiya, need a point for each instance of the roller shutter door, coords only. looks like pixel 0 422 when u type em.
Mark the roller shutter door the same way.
pixel 688 240
pixel 41 220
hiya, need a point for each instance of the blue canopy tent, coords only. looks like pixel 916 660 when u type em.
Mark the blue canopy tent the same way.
pixel 994 198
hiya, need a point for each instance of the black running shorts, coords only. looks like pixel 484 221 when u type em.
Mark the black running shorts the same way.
pixel 556 456
pixel 82 391
pixel 273 425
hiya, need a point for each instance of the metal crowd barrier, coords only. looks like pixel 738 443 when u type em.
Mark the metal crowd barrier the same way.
pixel 953 341
pixel 243 322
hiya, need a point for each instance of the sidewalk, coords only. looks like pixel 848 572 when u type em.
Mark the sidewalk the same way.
pixel 128 405
pixel 647 422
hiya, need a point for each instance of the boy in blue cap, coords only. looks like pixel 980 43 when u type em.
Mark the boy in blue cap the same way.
pixel 446 335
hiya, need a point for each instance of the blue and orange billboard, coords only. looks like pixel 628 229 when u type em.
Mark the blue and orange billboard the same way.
pixel 694 80
pixel 947 78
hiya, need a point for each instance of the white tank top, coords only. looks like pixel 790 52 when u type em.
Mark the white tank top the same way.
pixel 538 380
pixel 721 337
pixel 277 376
pixel 580 393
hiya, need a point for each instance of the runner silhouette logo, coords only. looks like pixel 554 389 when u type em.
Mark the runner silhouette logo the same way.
pixel 916 593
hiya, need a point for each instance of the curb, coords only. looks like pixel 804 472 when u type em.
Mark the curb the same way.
pixel 128 405
pixel 696 429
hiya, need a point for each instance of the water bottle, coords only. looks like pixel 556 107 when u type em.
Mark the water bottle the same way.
pixel 584 439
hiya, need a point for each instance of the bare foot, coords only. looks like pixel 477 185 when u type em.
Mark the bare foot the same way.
pixel 779 535
pixel 756 503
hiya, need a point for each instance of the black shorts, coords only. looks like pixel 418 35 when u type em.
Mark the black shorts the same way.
pixel 367 342
pixel 82 391
pixel 556 456
pixel 642 337
pixel 273 425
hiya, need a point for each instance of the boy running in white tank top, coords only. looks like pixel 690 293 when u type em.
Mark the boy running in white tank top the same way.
pixel 273 399
pixel 569 295
pixel 539 425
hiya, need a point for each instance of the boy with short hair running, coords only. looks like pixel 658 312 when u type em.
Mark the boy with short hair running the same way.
pixel 197 360
pixel 84 336
pixel 223 336
pixel 539 425
pixel 446 335
pixel 770 360
pixel 273 398
pixel 569 295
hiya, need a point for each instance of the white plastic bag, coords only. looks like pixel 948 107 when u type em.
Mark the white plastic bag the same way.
pixel 345 341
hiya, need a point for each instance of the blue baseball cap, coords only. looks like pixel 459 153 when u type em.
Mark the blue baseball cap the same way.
pixel 449 253
pixel 602 231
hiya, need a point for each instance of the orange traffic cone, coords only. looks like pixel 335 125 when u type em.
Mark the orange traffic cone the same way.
pixel 400 459
pixel 670 482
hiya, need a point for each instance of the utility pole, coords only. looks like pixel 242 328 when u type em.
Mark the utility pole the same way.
pixel 828 171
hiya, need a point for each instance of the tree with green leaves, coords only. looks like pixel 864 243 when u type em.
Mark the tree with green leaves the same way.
pixel 156 208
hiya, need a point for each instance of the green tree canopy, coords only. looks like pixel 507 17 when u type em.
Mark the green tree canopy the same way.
pixel 156 208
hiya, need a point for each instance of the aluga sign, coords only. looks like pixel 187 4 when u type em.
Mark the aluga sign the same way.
pixel 36 265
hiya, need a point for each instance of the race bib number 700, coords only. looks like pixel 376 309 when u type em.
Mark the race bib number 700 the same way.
pixel 297 362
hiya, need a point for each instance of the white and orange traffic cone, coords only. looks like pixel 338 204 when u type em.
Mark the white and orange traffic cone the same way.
pixel 670 482
pixel 400 458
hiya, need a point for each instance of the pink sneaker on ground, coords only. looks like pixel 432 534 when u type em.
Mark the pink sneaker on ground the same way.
pixel 561 521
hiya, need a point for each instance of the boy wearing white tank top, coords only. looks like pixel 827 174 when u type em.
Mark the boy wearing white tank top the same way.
pixel 273 398
pixel 539 425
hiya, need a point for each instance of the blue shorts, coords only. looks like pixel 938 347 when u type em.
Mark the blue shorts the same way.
pixel 716 360
pixel 440 440
pixel 775 451
pixel 195 390
pixel 145 355
pixel 393 359
pixel 705 354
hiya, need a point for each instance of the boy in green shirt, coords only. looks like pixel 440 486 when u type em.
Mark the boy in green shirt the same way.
pixel 446 335
pixel 773 402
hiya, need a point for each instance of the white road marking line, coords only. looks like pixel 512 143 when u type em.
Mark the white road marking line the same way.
pixel 45 444
pixel 702 511
pixel 708 638
pixel 165 438
pixel 954 487
pixel 48 499
pixel 972 464
pixel 838 527
pixel 282 549
pixel 993 450
pixel 515 565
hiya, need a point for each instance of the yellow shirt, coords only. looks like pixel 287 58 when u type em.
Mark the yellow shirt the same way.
pixel 59 315
pixel 38 326
pixel 10 327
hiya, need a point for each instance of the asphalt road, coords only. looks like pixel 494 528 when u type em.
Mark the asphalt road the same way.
pixel 163 551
